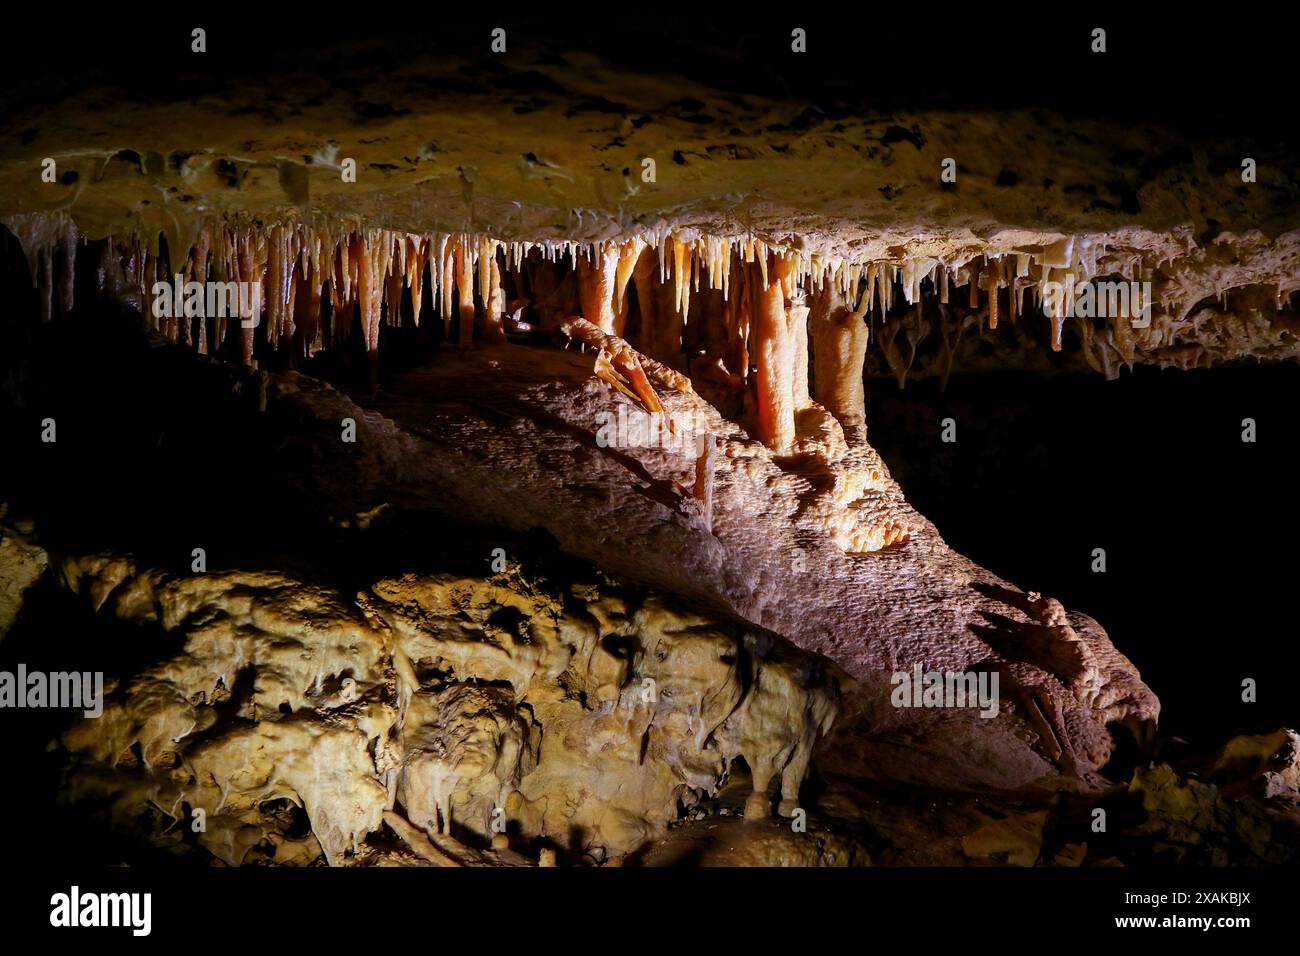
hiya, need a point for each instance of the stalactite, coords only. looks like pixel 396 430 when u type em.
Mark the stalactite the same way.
pixel 394 282
pixel 222 269
pixel 279 274
pixel 45 287
pixel 710 312
pixel 917 328
pixel 994 274
pixel 314 338
pixel 464 260
pixel 1057 317
pixel 494 301
pixel 307 311
pixel 69 240
pixel 246 270
pixel 1090 346
pixel 661 323
pixel 950 330
pixel 887 337
pixel 774 352
pixel 796 314
pixel 444 278
pixel 738 327
pixel 371 250
pixel 198 268
pixel 628 257
pixel 597 277
pixel 681 275
pixel 416 258
pixel 340 303
pixel 643 277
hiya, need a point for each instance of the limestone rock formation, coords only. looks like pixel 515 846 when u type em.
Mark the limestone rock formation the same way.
pixel 478 707
pixel 22 563
pixel 499 326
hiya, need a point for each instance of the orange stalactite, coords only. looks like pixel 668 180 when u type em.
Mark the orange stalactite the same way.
pixel 465 290
pixel 775 355
pixel 597 276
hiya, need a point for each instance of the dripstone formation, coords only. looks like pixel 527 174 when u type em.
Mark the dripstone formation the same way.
pixel 484 311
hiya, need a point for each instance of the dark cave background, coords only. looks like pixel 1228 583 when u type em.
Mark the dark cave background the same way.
pixel 1227 75
pixel 1199 527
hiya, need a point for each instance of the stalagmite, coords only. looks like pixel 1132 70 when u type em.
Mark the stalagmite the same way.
pixel 703 487
pixel 840 338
